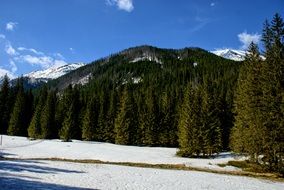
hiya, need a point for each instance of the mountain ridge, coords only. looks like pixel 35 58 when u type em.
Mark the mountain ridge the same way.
pixel 143 54
pixel 53 72
pixel 80 73
pixel 232 54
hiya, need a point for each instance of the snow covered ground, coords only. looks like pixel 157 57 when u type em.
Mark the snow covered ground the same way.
pixel 56 175
pixel 26 175
pixel 21 147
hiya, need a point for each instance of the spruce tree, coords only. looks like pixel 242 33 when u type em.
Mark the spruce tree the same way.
pixel 70 123
pixel 267 36
pixel 59 114
pixel 211 125
pixel 34 129
pixel 126 120
pixel 67 131
pixel 4 105
pixel 47 117
pixel 29 108
pixel 75 96
pixel 189 124
pixel 273 95
pixel 150 123
pixel 141 114
pixel 16 124
pixel 167 123
pixel 90 121
pixel 102 124
pixel 110 118
pixel 248 131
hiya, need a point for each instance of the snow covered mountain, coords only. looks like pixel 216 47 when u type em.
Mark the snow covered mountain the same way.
pixel 236 55
pixel 54 72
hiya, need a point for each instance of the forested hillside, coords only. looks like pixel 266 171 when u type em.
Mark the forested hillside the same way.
pixel 132 97
pixel 147 96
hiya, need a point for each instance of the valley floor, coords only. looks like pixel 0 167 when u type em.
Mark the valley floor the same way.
pixel 56 175
pixel 30 174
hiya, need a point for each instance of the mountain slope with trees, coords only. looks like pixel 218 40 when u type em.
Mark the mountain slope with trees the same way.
pixel 147 96
pixel 142 88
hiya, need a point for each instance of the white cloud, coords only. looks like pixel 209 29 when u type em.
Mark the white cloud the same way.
pixel 59 55
pixel 30 50
pixel 4 72
pixel 29 56
pixel 11 26
pixel 126 5
pixel 33 60
pixel 13 66
pixel 10 50
pixel 42 61
pixel 2 36
pixel 38 58
pixel 212 4
pixel 200 23
pixel 72 50
pixel 246 39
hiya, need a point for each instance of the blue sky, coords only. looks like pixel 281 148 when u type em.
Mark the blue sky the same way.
pixel 38 34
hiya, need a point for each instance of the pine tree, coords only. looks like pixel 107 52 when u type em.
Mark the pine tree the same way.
pixel 150 123
pixel 126 121
pixel 4 105
pixel 189 124
pixel 267 36
pixel 16 124
pixel 273 95
pixel 110 118
pixel 141 110
pixel 211 125
pixel 59 114
pixel 167 124
pixel 102 124
pixel 34 129
pixel 29 108
pixel 68 118
pixel 248 130
pixel 68 125
pixel 90 121
pixel 47 117
pixel 77 130
pixel 224 106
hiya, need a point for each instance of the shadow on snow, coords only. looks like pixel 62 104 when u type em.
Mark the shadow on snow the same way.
pixel 8 183
pixel 19 181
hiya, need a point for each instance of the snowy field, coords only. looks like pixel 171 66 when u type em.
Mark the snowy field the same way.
pixel 26 175
pixel 21 147
pixel 55 175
